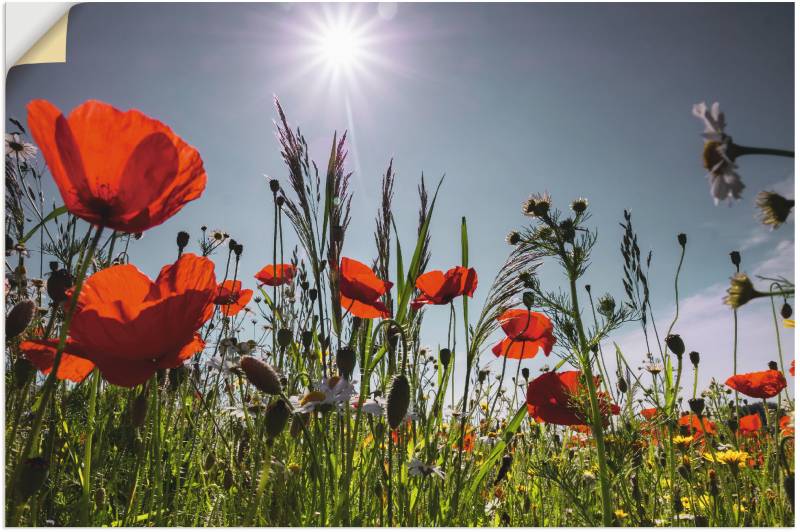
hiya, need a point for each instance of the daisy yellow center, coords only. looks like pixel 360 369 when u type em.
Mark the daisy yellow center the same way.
pixel 312 397
pixel 711 156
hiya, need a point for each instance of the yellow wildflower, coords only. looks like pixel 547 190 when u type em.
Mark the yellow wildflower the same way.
pixel 731 457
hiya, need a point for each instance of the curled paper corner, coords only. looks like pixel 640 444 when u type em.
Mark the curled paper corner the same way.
pixel 51 47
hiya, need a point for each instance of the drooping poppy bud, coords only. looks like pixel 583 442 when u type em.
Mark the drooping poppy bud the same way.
pixel 261 375
pixel 526 373
pixel 182 240
pixel 694 358
pixel 772 365
pixel 504 468
pixel 675 344
pixel 19 318
pixel 284 337
pixel 58 283
pixel 786 310
pixel 306 337
pixel 736 258
pixel 398 400
pixel 274 186
pixel 622 385
pixel 682 239
pixel 277 417
pixel 444 357
pixel 22 371
pixel 697 406
pixel 346 361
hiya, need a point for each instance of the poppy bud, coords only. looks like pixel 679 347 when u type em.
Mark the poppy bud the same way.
pixel 694 357
pixel 697 406
pixel 312 294
pixel 274 186
pixel 100 497
pixel 33 477
pixel 182 240
pixel 306 337
pixel 277 416
pixel 526 373
pixel 736 258
pixel 772 365
pixel 528 299
pixel 346 361
pixel 398 400
pixel 683 471
pixel 22 371
pixel 284 337
pixel 9 244
pixel 139 409
pixel 19 318
pixel 622 385
pixel 227 481
pixel 444 357
pixel 58 283
pixel 231 245
pixel 786 311
pixel 682 239
pixel 261 375
pixel 298 421
pixel 675 344
pixel 482 374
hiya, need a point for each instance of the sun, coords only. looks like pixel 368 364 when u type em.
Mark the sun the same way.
pixel 340 47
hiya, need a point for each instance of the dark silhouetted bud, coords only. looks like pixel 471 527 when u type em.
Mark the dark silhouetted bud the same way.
pixel 482 374
pixel 261 375
pixel 733 424
pixel 346 361
pixel 677 504
pixel 786 310
pixel 182 240
pixel 227 481
pixel 19 318
pixel 622 385
pixel 788 486
pixel 274 186
pixel 312 294
pixel 398 400
pixel 675 344
pixel 139 409
pixel 697 406
pixel 444 357
pixel 23 370
pixel 700 521
pixel 337 233
pixel 298 421
pixel 238 250
pixel 32 477
pixel 526 373
pixel 284 337
pixel 694 357
pixel 736 258
pixel 306 337
pixel 683 471
pixel 277 417
pixel 57 285
pixel 232 245
pixel 528 299
pixel 682 239
pixel 772 365
pixel 505 466
pixel 9 244
pixel 280 201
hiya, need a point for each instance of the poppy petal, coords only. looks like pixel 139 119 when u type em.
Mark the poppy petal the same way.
pixel 42 354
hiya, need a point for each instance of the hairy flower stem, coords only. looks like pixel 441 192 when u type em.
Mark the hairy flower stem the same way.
pixel 87 452
pixel 255 504
pixel 736 150
pixel 597 420
pixel 49 385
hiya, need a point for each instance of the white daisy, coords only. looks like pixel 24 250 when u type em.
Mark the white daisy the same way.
pixel 417 468
pixel 227 367
pixel 18 149
pixel 725 183
pixel 331 393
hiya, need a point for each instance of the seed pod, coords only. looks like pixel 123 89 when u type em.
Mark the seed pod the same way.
pixel 139 409
pixel 227 480
pixel 675 344
pixel 683 471
pixel 786 310
pixel 284 337
pixel 312 294
pixel 736 258
pixel 528 299
pixel 697 406
pixel 57 285
pixel 22 370
pixel 346 361
pixel 682 239
pixel 277 416
pixel 33 477
pixel 274 185
pixel 19 318
pixel 694 358
pixel 306 338
pixel 525 374
pixel 622 385
pixel 261 375
pixel 444 357
pixel 398 401
pixel 182 240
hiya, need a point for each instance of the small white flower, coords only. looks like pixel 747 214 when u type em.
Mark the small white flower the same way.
pixel 18 149
pixel 373 407
pixel 723 180
pixel 417 468
pixel 713 120
pixel 333 392
pixel 228 367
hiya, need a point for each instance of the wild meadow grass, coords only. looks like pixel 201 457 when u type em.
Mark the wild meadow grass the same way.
pixel 302 394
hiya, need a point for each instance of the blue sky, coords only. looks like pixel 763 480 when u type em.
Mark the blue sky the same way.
pixel 506 100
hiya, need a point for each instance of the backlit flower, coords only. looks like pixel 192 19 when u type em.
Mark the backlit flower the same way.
pixel 749 425
pixel 331 393
pixel 122 170
pixel 231 298
pixel 361 290
pixel 561 399
pixel 731 457
pixel 696 427
pixel 649 413
pixel 775 209
pixel 759 384
pixel 439 288
pixel 526 333
pixel 741 291
pixel 18 149
pixel 724 181
pixel 42 354
pixel 276 274
pixel 130 326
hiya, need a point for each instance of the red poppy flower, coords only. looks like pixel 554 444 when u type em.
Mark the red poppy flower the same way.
pixel 556 398
pixel 691 421
pixel 749 425
pixel 759 384
pixel 791 368
pixel 131 326
pixel 42 354
pixel 276 274
pixel 361 290
pixel 526 333
pixel 649 413
pixel 440 288
pixel 786 424
pixel 122 170
pixel 231 298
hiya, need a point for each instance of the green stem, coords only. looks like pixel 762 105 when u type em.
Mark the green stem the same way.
pixel 87 452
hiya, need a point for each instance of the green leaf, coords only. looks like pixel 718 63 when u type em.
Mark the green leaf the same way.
pixel 55 213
